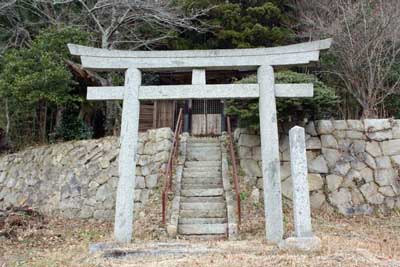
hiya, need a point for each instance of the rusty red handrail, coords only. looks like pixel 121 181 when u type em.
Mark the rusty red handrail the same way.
pixel 169 171
pixel 234 168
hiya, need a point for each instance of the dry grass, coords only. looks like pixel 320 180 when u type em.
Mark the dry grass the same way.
pixel 358 241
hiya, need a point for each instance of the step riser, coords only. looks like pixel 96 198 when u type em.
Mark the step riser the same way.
pixel 202 214
pixel 202 229
pixel 203 157
pixel 201 186
pixel 204 174
pixel 202 169
pixel 186 180
pixel 202 199
pixel 203 206
pixel 201 220
pixel 202 192
pixel 202 164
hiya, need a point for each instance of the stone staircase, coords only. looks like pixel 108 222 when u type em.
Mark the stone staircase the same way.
pixel 203 207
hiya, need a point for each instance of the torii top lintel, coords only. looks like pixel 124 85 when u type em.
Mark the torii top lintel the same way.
pixel 103 59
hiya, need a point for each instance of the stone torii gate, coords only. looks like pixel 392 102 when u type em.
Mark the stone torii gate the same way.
pixel 262 59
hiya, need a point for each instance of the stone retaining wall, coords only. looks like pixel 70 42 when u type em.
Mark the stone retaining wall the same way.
pixel 353 165
pixel 79 179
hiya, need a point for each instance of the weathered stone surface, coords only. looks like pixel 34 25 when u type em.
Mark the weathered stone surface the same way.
pixel 391 147
pixel 310 129
pixel 307 244
pixel 356 197
pixel 340 198
pixel 318 165
pixel 375 125
pixel 383 162
pixel 396 160
pixel 371 194
pixel 340 124
pixel 250 168
pixel 354 135
pixel 256 153
pixel 317 199
pixel 245 152
pixel 367 174
pixel 325 127
pixel 373 149
pixel 385 176
pixel 249 140
pixel 315 182
pixel 285 170
pixel 342 168
pixel 329 141
pixel 332 156
pixel 369 160
pixel 333 182
pixel 387 191
pixel 313 143
pixel 380 136
pixel 355 125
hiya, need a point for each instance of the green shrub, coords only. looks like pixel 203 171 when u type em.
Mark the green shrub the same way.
pixel 323 105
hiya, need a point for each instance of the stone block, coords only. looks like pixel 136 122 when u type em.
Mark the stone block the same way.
pixel 284 143
pixel 355 125
pixel 311 155
pixel 249 140
pixel 329 141
pixel 285 170
pixel 333 182
pixel 356 197
pixel 332 156
pixel 355 135
pixel 340 198
pixel 387 191
pixel 369 160
pixel 287 188
pixel 396 161
pixel 383 162
pixel 161 156
pixel 318 165
pixel 396 129
pixel 151 180
pixel 391 147
pixel 340 124
pixel 371 194
pixel 310 129
pixel 373 149
pixel 245 152
pixel 256 153
pixel 385 176
pixel 358 165
pixel 325 127
pixel 317 199
pixel 380 136
pixel 140 183
pixel 353 177
pixel 339 134
pixel 313 143
pixel 315 182
pixel 342 168
pixel 103 192
pixel 375 125
pixel 250 168
pixel 367 174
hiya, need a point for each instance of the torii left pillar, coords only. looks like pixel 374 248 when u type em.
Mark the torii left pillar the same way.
pixel 124 209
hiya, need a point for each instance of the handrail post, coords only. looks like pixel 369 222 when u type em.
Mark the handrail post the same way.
pixel 169 173
pixel 234 168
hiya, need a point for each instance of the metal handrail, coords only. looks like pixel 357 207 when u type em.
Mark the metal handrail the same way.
pixel 169 172
pixel 234 168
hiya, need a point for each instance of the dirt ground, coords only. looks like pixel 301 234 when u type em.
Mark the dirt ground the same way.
pixel 357 241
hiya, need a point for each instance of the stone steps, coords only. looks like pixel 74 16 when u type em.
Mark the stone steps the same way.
pixel 203 229
pixel 202 211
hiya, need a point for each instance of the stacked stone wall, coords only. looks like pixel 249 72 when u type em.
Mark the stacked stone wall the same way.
pixel 79 179
pixel 353 165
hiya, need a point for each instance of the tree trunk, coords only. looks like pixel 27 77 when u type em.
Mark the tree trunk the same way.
pixel 43 122
pixel 369 111
pixel 8 123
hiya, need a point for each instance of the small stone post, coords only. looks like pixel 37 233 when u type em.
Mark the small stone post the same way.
pixel 304 238
pixel 270 155
pixel 124 207
pixel 301 197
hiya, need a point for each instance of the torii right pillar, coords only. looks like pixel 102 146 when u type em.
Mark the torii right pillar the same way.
pixel 270 155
